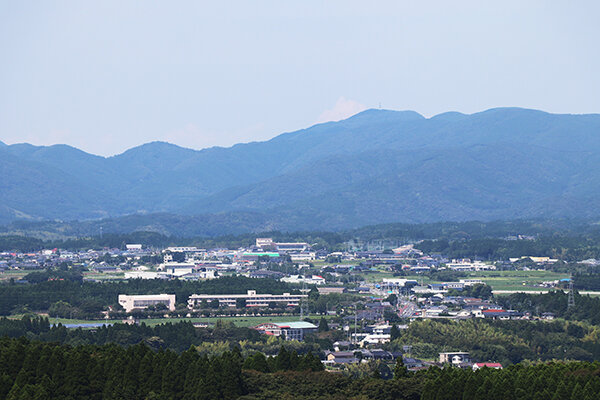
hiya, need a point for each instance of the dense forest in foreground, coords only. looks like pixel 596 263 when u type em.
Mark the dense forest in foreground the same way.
pixel 39 371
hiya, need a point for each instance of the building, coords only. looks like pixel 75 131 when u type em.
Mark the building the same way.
pixel 309 280
pixel 455 358
pixel 265 273
pixel 306 256
pixel 375 338
pixel 177 268
pixel 139 302
pixel 287 330
pixel 251 299
pixel 477 366
pixel 467 265
pixel 341 357
pixel 330 290
pixel 267 244
pixel 133 247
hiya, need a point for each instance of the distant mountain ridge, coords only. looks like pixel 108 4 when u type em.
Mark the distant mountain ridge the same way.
pixel 375 167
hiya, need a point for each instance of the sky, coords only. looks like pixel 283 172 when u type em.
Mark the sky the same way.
pixel 110 75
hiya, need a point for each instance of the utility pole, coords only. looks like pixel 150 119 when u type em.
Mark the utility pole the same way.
pixel 571 300
pixel 355 322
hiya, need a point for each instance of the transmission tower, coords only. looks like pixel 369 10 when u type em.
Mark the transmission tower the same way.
pixel 571 301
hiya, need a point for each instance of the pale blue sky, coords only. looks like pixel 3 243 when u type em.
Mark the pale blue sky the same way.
pixel 108 75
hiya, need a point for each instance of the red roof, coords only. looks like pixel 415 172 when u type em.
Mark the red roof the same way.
pixel 489 365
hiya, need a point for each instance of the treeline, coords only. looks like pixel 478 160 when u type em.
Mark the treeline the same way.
pixel 507 342
pixel 555 381
pixel 586 308
pixel 97 242
pixel 87 299
pixel 567 248
pixel 174 336
pixel 34 370
pixel 450 235
pixel 587 278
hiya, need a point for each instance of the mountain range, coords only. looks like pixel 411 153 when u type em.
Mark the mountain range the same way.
pixel 378 166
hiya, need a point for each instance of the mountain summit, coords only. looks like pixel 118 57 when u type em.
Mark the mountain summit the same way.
pixel 377 166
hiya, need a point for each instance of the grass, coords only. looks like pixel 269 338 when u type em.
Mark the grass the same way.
pixel 516 280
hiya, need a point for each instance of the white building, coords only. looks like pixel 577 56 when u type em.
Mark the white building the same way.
pixel 375 338
pixel 176 268
pixel 288 330
pixel 141 275
pixel 139 302
pixel 307 256
pixel 465 265
pixel 471 282
pixel 251 298
pixel 310 280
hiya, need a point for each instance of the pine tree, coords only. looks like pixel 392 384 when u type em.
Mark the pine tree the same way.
pixel 400 371
pixel 394 332
pixel 323 326
pixel 577 393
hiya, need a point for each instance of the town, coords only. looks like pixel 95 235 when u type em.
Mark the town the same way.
pixel 362 299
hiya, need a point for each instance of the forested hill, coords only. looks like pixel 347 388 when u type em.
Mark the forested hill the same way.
pixel 376 167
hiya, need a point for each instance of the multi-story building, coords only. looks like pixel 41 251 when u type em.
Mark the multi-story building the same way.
pixel 287 330
pixel 251 299
pixel 133 302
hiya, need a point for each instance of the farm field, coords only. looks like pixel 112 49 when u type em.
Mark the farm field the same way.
pixel 517 280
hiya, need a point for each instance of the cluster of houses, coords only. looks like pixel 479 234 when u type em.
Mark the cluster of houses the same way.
pixel 457 359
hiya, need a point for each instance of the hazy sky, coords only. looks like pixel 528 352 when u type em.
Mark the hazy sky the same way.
pixel 108 75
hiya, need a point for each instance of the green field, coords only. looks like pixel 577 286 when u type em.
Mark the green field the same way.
pixel 498 280
pixel 6 275
pixel 516 280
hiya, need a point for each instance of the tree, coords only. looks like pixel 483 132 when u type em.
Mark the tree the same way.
pixel 256 362
pixel 323 326
pixel 394 332
pixel 400 371
pixel 240 303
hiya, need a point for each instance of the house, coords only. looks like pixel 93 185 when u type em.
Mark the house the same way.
pixel 412 363
pixel 375 338
pixel 477 366
pixel 455 357
pixel 330 290
pixel 379 354
pixel 342 344
pixel 341 357
pixel 263 273
pixel 548 316
pixel 312 280
pixel 500 314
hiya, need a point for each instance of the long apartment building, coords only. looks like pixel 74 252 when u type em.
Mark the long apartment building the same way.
pixel 139 302
pixel 251 298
